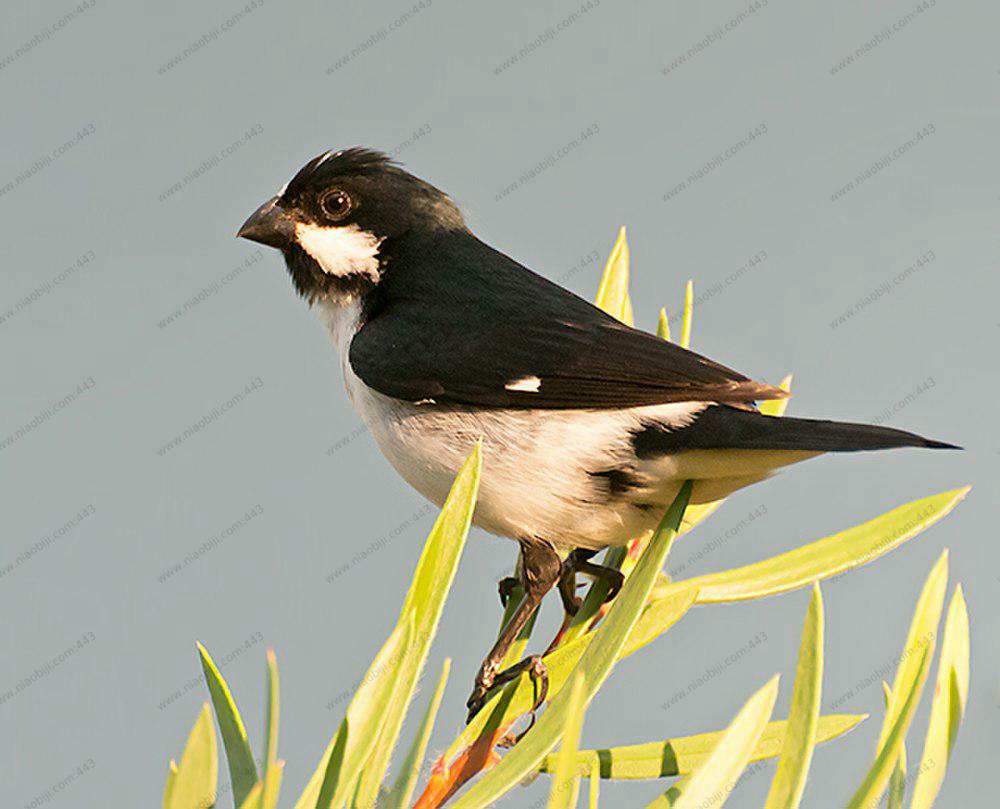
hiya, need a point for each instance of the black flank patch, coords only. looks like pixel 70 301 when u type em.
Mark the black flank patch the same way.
pixel 619 481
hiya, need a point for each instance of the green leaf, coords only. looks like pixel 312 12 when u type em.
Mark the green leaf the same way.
pixel 597 661
pixel 168 788
pixel 874 783
pixel 347 752
pixel 425 599
pixel 688 315
pixel 921 635
pixel 264 794
pixel 402 791
pixel 612 293
pixel 195 780
pixel 777 407
pixel 951 692
pixel 825 557
pixel 902 699
pixel 897 781
pixel 803 717
pixel 272 786
pixel 595 785
pixel 670 798
pixel 565 778
pixel 242 769
pixel 663 326
pixel 711 784
pixel 272 715
pixel 685 754
pixel 253 798
pixel 517 697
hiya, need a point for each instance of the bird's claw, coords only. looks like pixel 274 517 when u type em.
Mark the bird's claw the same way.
pixel 537 671
pixel 484 682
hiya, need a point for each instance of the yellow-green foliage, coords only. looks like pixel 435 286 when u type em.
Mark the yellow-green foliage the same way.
pixel 353 771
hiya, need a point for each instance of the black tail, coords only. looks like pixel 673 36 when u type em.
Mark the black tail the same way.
pixel 722 427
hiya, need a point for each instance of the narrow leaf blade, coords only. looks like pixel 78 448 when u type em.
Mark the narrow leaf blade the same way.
pixel 922 635
pixel 826 557
pixel 597 661
pixel 239 756
pixel 425 600
pixel 272 716
pixel 796 755
pixel 353 742
pixel 777 407
pixel 565 778
pixel 663 326
pixel 688 315
pixel 168 788
pixel 595 785
pixel 402 792
pixel 612 293
pixel 195 782
pixel 897 781
pixel 684 754
pixel 711 784
pixel 948 707
pixel 870 791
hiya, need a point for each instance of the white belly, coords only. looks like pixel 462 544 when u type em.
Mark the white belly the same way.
pixel 538 476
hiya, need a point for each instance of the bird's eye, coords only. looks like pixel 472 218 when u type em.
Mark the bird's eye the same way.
pixel 336 204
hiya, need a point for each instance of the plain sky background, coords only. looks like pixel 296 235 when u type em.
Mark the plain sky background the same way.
pixel 436 86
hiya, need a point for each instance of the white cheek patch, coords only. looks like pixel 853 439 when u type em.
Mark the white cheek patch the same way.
pixel 340 251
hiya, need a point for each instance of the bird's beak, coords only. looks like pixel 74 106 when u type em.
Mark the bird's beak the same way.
pixel 270 224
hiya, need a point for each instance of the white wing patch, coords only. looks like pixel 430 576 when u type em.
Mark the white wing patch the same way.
pixel 340 251
pixel 527 384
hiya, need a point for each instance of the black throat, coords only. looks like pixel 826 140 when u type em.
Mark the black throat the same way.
pixel 313 284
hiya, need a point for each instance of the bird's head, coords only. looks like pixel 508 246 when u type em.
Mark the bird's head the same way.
pixel 338 216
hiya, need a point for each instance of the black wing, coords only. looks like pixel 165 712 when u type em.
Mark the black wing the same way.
pixel 458 322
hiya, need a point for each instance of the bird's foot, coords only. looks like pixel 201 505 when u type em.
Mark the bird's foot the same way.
pixel 488 679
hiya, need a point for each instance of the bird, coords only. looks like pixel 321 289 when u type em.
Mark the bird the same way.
pixel 589 427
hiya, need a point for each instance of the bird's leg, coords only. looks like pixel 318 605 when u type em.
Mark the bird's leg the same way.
pixel 540 570
pixel 567 587
pixel 578 561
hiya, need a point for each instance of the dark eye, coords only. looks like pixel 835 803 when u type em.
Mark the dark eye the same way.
pixel 336 204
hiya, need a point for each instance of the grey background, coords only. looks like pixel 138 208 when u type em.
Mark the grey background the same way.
pixel 482 127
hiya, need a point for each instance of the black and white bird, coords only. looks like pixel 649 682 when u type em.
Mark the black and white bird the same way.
pixel 589 427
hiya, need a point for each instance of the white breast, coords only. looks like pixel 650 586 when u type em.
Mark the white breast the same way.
pixel 538 465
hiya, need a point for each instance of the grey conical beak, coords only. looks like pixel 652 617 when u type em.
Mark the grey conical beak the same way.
pixel 270 224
